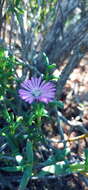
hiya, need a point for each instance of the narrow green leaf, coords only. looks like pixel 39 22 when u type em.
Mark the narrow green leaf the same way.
pixel 12 144
pixel 29 152
pixel 12 169
pixel 46 60
pixel 28 169
pixel 86 160
pixel 18 10
pixel 1 52
pixel 26 176
pixel 77 167
pixel 6 115
pixel 63 167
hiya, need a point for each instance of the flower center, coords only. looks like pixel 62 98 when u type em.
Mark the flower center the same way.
pixel 36 93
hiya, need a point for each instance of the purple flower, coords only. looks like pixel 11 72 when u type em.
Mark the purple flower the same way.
pixel 37 90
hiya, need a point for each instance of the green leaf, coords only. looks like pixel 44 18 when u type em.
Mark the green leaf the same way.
pixel 40 110
pixel 31 118
pixel 28 169
pixel 42 173
pixel 86 160
pixel 59 104
pixel 13 144
pixel 29 152
pixel 63 167
pixel 18 10
pixel 46 60
pixel 61 154
pixel 1 53
pixel 57 157
pixel 52 66
pixel 77 167
pixel 17 3
pixel 26 176
pixel 6 115
pixel 12 169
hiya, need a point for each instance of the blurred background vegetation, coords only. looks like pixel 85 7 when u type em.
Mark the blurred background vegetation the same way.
pixel 47 38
